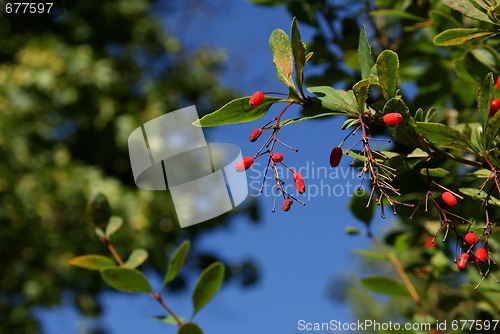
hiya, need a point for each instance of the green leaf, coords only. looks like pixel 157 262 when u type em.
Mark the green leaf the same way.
pixel 137 258
pixel 480 195
pixel 435 172
pixel 299 55
pixel 92 262
pixel 99 232
pixel 336 101
pixel 98 211
pixel 352 230
pixel 359 208
pixel 361 90
pixel 481 60
pixel 126 279
pixel 369 254
pixel 397 13
pixel 445 136
pixel 419 115
pixel 484 97
pixel 350 122
pixel 282 56
pixel 459 36
pixel 268 2
pixel 430 115
pixel 167 319
pixel 492 131
pixel 115 223
pixel 468 9
pixel 176 262
pixel 190 328
pixel 207 285
pixel 384 285
pixel 237 111
pixel 388 73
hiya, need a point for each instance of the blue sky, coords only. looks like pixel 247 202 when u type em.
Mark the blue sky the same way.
pixel 298 252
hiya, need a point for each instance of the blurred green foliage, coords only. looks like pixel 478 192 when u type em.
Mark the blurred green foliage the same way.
pixel 71 91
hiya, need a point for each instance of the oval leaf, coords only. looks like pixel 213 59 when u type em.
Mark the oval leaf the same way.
pixel 459 36
pixel 359 209
pixel 115 223
pixel 467 8
pixel 364 54
pixel 282 56
pixel 445 136
pixel 336 100
pixel 237 111
pixel 98 211
pixel 384 285
pixel 207 286
pixel 137 258
pixel 176 262
pixel 190 328
pixel 125 279
pixel 388 73
pixel 167 319
pixel 299 54
pixel 92 262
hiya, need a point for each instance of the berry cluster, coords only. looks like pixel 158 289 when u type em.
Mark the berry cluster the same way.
pixel 274 158
pixel 480 255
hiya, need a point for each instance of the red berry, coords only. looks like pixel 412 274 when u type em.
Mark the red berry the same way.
pixel 287 203
pixel 299 182
pixel 429 243
pixel 393 118
pixel 448 198
pixel 471 238
pixel 335 156
pixel 481 254
pixel 494 106
pixel 244 164
pixel 277 157
pixel 256 99
pixel 462 261
pixel 255 134
pixel 498 82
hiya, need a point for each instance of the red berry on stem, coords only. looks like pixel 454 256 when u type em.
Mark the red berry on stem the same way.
pixel 481 254
pixel 494 106
pixel 448 198
pixel 392 118
pixel 462 261
pixel 256 99
pixel 244 164
pixel 255 134
pixel 429 243
pixel 471 238
pixel 299 182
pixel 287 203
pixel 335 156
pixel 498 82
pixel 277 157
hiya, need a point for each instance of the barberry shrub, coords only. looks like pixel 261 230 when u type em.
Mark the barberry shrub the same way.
pixel 442 176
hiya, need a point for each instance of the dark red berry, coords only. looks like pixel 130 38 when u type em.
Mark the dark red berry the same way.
pixel 299 182
pixel 481 254
pixel 287 203
pixel 335 156
pixel 498 82
pixel 255 134
pixel 494 106
pixel 277 157
pixel 393 118
pixel 471 238
pixel 462 261
pixel 244 164
pixel 448 198
pixel 256 99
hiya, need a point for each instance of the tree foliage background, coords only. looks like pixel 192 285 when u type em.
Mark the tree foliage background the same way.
pixel 73 89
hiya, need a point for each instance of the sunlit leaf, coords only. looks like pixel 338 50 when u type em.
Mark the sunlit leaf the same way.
pixel 370 254
pixel 397 13
pixel 237 111
pixel 468 9
pixel 176 261
pixel 115 223
pixel 435 172
pixel 388 73
pixel 459 36
pixel 361 90
pixel 126 279
pixel 92 262
pixel 445 136
pixel 167 319
pixel 282 56
pixel 207 285
pixel 336 100
pixel 136 258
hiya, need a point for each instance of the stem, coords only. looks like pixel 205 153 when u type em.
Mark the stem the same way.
pixel 400 270
pixel 156 296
